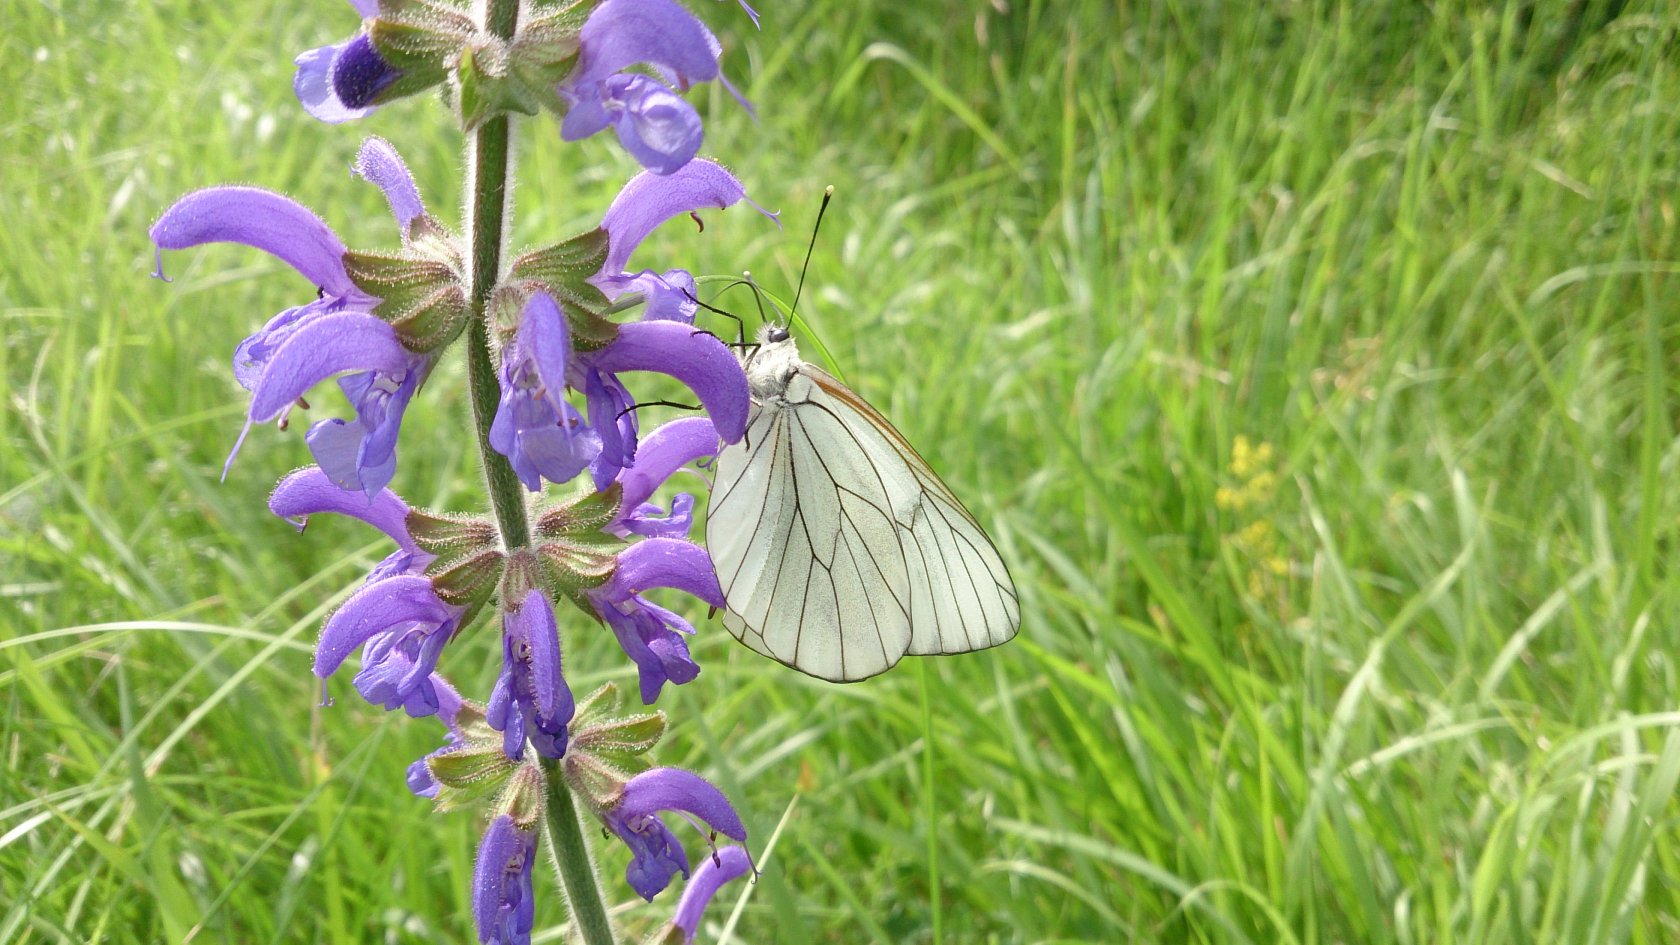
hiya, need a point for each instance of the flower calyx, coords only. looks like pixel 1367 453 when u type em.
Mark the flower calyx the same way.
pixel 577 553
pixel 563 271
pixel 418 39
pixel 422 288
pixel 474 766
pixel 468 559
pixel 608 749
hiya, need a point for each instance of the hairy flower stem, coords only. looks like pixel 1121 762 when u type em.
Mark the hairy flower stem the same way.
pixel 577 868
pixel 492 153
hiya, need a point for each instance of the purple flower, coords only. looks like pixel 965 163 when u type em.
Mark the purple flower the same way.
pixel 419 778
pixel 725 864
pixel 654 124
pixel 335 332
pixel 656 855
pixel 644 203
pixel 699 360
pixel 666 450
pixel 651 635
pixel 396 616
pixel 535 428
pixel 502 903
pixel 340 82
pixel 531 699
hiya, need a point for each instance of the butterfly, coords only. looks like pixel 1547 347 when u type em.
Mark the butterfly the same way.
pixel 839 550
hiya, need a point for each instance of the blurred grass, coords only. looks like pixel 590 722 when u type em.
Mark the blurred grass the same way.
pixel 1312 363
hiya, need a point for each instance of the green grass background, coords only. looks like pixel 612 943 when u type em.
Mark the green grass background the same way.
pixel 1313 364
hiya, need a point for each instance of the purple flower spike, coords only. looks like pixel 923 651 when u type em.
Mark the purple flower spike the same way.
pixel 541 434
pixel 649 634
pixel 697 359
pixel 725 864
pixel 277 225
pixel 380 164
pixel 531 699
pixel 657 127
pixel 502 903
pixel 656 853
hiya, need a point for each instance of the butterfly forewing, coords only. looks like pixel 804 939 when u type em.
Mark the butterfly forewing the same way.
pixel 839 549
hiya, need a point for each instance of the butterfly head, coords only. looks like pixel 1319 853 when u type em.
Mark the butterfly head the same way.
pixel 772 334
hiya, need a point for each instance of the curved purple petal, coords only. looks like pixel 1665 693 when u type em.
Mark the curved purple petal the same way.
pixel 548 343
pixel 623 33
pixel 326 345
pixel 725 864
pixel 374 608
pixel 697 359
pixel 379 164
pixel 314 87
pixel 666 562
pixel 663 452
pixel 650 199
pixel 262 219
pixel 307 491
pixel 676 789
pixel 659 129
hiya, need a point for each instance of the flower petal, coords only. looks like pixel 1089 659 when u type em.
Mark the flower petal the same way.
pixel 659 129
pixel 623 33
pixel 544 335
pixel 262 219
pixel 306 491
pixel 312 84
pixel 666 562
pixel 663 452
pixel 679 790
pixel 697 359
pixel 379 164
pixel 374 608
pixel 725 864
pixel 343 341
pixel 533 622
pixel 650 199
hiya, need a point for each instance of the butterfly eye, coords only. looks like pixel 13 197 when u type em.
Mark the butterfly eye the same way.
pixel 777 334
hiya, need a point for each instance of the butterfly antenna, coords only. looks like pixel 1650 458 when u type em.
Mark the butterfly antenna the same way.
pixel 828 194
pixel 758 297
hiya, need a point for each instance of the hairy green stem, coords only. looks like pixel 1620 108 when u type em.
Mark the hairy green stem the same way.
pixel 577 868
pixel 492 157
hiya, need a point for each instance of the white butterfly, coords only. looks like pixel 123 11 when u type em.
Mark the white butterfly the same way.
pixel 838 549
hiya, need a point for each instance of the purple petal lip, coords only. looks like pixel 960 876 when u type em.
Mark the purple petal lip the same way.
pixel 663 452
pixel 262 219
pixel 380 164
pixel 328 344
pixel 676 789
pixel 725 864
pixel 307 491
pixel 697 359
pixel 650 199
pixel 374 608
pixel 666 562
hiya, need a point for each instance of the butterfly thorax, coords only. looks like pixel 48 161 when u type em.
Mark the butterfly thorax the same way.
pixel 769 367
